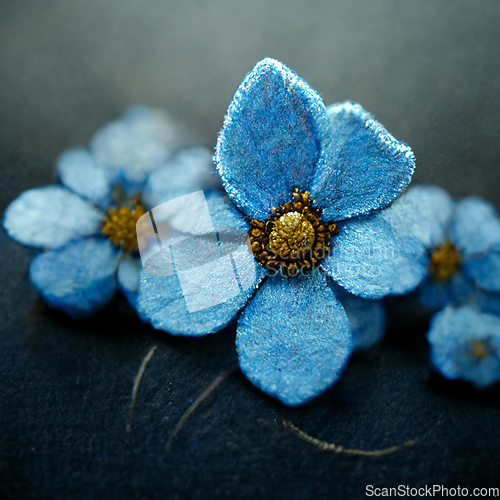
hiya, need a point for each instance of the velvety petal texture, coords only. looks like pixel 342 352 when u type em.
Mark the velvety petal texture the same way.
pixel 202 277
pixel 271 138
pixel 78 278
pixel 373 256
pixel 366 317
pixel 79 172
pixel 484 271
pixel 466 344
pixel 426 211
pixel 476 227
pixel 50 217
pixel 190 170
pixel 362 167
pixel 128 277
pixel 293 339
pixel 136 143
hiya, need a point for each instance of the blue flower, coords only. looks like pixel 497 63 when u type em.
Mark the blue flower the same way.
pixel 81 267
pixel 463 246
pixel 308 180
pixel 465 343
pixel 462 240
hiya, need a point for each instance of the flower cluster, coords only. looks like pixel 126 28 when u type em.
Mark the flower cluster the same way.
pixel 86 226
pixel 463 281
pixel 314 229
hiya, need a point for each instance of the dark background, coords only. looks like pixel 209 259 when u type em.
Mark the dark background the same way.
pixel 430 72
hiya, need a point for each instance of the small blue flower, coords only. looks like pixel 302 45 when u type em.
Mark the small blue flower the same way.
pixel 301 174
pixel 80 268
pixel 463 246
pixel 465 344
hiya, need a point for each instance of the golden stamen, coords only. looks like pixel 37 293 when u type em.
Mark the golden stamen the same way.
pixel 445 261
pixel 120 225
pixel 293 238
pixel 480 348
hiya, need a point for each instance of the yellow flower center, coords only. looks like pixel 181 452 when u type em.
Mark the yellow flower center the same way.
pixel 292 232
pixel 293 239
pixel 480 348
pixel 445 261
pixel 120 225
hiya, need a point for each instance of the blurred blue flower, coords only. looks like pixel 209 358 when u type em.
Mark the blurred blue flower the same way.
pixel 81 267
pixel 465 343
pixel 463 246
pixel 308 179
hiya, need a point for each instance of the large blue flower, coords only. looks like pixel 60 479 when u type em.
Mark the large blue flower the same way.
pixel 462 238
pixel 299 174
pixel 465 343
pixel 81 268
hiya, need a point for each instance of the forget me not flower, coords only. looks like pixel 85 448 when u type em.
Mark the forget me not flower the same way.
pixel 307 177
pixel 81 267
pixel 465 343
pixel 462 238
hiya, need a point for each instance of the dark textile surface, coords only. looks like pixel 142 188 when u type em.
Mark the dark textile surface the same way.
pixel 429 72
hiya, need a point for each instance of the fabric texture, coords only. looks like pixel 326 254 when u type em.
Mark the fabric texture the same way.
pixel 278 136
pixel 79 278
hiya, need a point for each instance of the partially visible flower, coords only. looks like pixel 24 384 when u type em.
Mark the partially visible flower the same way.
pixel 87 225
pixel 463 247
pixel 307 179
pixel 465 344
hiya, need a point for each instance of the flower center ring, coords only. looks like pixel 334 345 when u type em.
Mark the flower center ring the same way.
pixel 294 239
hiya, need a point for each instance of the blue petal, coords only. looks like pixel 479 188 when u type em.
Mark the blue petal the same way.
pixel 484 271
pixel 205 301
pixel 488 302
pixel 79 172
pixel 435 295
pixel 426 211
pixel 372 259
pixel 459 291
pixel 293 339
pixel 137 143
pixel 50 217
pixel 78 278
pixel 362 167
pixel 188 171
pixel 476 227
pixel 270 141
pixel 455 336
pixel 180 218
pixel 203 279
pixel 128 277
pixel 366 317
